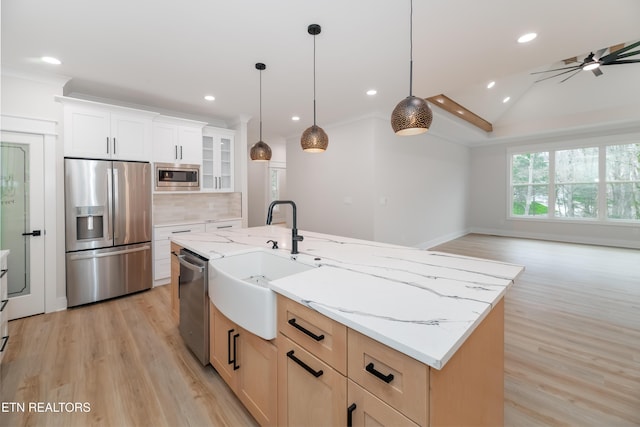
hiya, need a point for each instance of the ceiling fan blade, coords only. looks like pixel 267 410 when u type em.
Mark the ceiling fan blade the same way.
pixel 597 71
pixel 573 67
pixel 628 54
pixel 599 53
pixel 564 80
pixel 623 61
pixel 617 54
pixel 559 74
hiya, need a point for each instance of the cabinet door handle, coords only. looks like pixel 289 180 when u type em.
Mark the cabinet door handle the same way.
pixel 235 347
pixel 229 360
pixel 304 365
pixel 107 145
pixel 175 156
pixel 350 410
pixel 4 343
pixel 4 271
pixel 386 378
pixel 293 323
pixel 114 145
pixel 181 231
pixel 4 304
pixel 181 152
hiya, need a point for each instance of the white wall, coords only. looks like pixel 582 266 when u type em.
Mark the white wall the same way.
pixel 31 97
pixel 334 190
pixel 258 182
pixel 424 182
pixel 489 200
pixel 374 185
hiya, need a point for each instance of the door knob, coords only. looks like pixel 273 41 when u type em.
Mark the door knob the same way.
pixel 33 233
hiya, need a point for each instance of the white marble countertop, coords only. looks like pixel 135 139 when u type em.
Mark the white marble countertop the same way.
pixel 419 302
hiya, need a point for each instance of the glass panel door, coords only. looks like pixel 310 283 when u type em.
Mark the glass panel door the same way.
pixel 14 188
pixel 22 221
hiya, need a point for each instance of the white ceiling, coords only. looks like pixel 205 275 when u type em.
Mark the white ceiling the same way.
pixel 169 54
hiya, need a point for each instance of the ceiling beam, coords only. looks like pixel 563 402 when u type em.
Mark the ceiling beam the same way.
pixel 458 110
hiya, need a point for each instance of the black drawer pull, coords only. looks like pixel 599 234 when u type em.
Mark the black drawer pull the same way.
pixel 4 343
pixel 235 357
pixel 4 271
pixel 293 323
pixel 229 360
pixel 386 378
pixel 304 365
pixel 350 410
pixel 4 304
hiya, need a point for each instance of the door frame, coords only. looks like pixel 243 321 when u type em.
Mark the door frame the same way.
pixel 54 281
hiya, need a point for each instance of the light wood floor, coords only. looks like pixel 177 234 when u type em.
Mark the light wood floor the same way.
pixel 572 331
pixel 572 350
pixel 125 357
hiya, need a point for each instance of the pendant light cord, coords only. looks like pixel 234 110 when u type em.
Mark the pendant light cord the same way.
pixel 411 49
pixel 314 79
pixel 260 105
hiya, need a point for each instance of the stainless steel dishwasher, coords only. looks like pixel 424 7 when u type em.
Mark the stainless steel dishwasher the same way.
pixel 193 291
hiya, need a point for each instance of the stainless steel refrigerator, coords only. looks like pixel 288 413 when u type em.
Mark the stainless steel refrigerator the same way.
pixel 108 228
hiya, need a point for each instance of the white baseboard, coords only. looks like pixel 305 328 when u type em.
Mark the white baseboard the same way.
pixel 585 240
pixel 442 239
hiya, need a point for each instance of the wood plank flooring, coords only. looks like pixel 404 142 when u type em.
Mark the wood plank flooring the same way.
pixel 572 331
pixel 125 357
pixel 572 349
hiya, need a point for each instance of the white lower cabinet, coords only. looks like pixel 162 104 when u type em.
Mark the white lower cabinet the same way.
pixel 162 235
pixel 222 225
pixel 4 300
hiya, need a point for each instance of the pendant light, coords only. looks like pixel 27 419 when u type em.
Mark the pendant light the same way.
pixel 314 139
pixel 412 115
pixel 260 151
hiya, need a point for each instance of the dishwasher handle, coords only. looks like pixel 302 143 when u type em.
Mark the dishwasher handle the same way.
pixel 190 266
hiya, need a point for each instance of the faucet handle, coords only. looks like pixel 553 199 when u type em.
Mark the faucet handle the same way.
pixel 274 244
pixel 298 238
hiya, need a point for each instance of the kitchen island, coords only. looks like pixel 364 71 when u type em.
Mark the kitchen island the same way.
pixel 443 312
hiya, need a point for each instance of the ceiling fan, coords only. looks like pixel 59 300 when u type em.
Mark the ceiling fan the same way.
pixel 594 61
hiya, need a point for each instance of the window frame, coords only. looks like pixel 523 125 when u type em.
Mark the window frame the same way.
pixel 552 147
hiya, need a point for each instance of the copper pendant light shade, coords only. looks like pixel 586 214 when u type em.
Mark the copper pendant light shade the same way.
pixel 314 139
pixel 260 151
pixel 412 115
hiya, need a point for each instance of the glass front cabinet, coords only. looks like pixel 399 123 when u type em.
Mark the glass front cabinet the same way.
pixel 217 159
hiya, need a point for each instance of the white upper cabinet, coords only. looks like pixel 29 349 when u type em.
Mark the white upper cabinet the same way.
pixel 177 140
pixel 217 159
pixel 102 131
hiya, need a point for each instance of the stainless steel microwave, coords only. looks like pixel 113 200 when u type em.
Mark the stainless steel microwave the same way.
pixel 177 177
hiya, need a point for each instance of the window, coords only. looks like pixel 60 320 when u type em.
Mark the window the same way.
pixel 623 181
pixel 597 183
pixel 576 183
pixel 530 183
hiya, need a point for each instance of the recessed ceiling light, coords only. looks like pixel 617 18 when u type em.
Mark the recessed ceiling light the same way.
pixel 295 118
pixel 440 100
pixel 51 60
pixel 504 101
pixel 461 112
pixel 526 38
pixel 491 84
pixel 210 97
pixel 371 92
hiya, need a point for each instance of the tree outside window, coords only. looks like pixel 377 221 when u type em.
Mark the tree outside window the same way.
pixel 530 184
pixel 623 181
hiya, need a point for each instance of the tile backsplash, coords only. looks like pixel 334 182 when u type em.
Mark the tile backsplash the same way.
pixel 189 207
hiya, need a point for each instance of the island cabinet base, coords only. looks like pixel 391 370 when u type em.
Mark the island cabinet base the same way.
pixel 247 363
pixel 469 390
pixel 382 386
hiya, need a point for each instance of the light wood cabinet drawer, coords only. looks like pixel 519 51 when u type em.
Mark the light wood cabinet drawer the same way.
pixel 364 409
pixel 395 378
pixel 310 392
pixel 316 333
